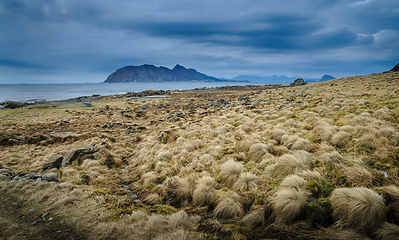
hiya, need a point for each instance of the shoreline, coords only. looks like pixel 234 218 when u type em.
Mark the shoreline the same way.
pixel 147 93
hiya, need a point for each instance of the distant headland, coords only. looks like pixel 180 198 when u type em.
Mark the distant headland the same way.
pixel 151 73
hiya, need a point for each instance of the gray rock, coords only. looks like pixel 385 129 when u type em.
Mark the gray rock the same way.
pixel 174 119
pixel 87 105
pixel 298 82
pixel 181 115
pixel 76 153
pixel 53 162
pixel 32 175
pixel 49 177
pixel 164 138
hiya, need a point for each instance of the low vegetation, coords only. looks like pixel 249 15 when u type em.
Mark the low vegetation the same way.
pixel 319 161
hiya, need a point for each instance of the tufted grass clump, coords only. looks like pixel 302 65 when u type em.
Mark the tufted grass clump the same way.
pixel 229 207
pixel 358 208
pixel 230 171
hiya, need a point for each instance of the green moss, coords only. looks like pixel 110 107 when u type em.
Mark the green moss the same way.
pixel 162 209
pixel 319 211
pixel 237 229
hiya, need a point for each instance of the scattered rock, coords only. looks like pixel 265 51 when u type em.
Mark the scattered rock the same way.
pixel 53 162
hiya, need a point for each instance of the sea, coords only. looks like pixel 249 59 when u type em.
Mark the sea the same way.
pixel 51 92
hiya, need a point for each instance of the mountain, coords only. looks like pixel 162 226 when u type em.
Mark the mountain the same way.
pixel 326 78
pixel 151 73
pixel 269 79
pixel 395 69
pixel 274 79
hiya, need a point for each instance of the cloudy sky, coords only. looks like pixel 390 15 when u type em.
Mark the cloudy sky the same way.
pixel 84 41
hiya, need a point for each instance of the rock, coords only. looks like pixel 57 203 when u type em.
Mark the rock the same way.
pixel 174 119
pixel 32 175
pixel 298 82
pixel 13 104
pixel 76 153
pixel 244 99
pixel 53 162
pixel 110 125
pixel 49 177
pixel 64 123
pixel 164 138
pixel 87 105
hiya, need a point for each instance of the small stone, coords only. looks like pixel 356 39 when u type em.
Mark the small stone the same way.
pixel 32 210
pixel 87 104
pixel 50 218
pixel 44 215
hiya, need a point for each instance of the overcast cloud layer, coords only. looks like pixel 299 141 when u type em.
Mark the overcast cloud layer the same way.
pixel 84 41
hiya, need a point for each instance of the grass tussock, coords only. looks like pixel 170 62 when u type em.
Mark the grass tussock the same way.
pixel 246 182
pixel 229 207
pixel 294 163
pixel 257 151
pixel 288 204
pixel 254 219
pixel 230 171
pixel 388 231
pixel 205 195
pixel 358 177
pixel 358 208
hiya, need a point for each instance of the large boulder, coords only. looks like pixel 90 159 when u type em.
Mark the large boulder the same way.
pixel 298 82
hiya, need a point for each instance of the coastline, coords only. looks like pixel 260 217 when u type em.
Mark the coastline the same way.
pixel 145 93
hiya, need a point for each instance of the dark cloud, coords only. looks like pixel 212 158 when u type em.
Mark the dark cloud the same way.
pixel 219 37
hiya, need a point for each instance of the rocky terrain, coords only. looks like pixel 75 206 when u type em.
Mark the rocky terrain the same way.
pixel 315 161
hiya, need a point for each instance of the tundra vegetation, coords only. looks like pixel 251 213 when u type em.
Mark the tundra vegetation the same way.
pixel 319 161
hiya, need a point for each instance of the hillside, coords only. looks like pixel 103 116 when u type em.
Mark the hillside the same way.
pixel 151 73
pixel 318 161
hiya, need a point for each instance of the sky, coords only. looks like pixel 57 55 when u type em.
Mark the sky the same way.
pixel 75 41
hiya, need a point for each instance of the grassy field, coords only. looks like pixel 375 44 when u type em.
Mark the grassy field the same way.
pixel 319 161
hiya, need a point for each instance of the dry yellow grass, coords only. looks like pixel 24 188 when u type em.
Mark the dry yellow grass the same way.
pixel 345 135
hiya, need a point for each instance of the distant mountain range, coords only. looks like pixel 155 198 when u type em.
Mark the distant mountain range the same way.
pixel 151 73
pixel 278 79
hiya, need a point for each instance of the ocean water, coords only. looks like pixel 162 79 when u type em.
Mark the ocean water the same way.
pixel 50 92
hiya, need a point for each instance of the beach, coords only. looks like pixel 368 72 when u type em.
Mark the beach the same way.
pixel 247 162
